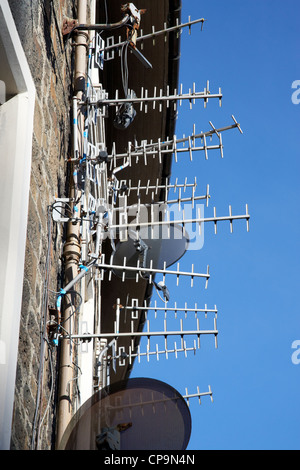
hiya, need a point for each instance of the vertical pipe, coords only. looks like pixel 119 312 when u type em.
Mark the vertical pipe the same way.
pixel 72 246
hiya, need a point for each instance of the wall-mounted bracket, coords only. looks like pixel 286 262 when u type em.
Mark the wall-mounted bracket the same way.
pixel 68 26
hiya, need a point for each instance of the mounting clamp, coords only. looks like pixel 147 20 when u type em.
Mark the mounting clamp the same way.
pixel 68 25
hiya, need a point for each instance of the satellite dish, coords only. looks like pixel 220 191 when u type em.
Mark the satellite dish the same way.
pixel 135 414
pixel 158 243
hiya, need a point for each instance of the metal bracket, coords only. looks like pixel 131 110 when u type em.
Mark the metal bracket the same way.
pixel 68 25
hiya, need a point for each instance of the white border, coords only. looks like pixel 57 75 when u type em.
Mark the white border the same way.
pixel 16 128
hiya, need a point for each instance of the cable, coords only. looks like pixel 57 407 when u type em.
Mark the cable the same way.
pixel 38 421
pixel 124 67
pixel 124 64
pixel 106 13
pixel 126 114
pixel 60 327
pixel 52 386
pixel 59 209
pixel 76 309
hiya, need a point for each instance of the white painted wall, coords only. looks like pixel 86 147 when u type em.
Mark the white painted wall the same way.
pixel 16 126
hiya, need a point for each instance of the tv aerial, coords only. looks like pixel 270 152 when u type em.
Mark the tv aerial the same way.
pixel 161 247
pixel 147 240
pixel 107 49
pixel 185 145
pixel 125 112
pixel 136 414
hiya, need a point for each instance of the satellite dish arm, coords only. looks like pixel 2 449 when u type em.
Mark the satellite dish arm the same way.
pixel 142 248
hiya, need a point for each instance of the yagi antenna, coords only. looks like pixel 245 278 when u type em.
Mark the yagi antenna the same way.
pixel 122 189
pixel 110 46
pixel 138 225
pixel 143 259
pixel 147 273
pixel 198 395
pixel 144 100
pixel 135 309
pixel 122 353
pixel 122 194
pixel 139 334
pixel 132 352
pixel 124 186
pixel 135 352
pixel 159 149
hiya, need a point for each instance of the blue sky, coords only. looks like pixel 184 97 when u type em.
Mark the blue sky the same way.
pixel 251 50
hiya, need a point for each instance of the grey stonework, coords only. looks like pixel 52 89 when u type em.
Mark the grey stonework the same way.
pixel 38 23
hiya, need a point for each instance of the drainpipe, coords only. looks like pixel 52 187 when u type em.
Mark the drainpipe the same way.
pixel 72 247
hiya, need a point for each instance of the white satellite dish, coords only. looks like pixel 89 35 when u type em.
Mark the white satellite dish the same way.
pixel 152 247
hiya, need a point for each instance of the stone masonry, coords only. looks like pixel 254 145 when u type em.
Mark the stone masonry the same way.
pixel 39 26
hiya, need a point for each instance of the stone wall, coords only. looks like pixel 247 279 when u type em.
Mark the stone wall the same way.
pixel 39 25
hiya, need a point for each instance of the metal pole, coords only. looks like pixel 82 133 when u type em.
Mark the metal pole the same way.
pixel 71 248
